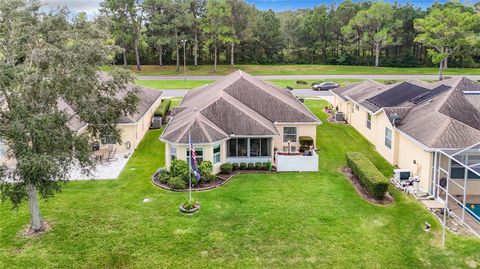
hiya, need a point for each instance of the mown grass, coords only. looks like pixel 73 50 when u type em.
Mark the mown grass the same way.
pixel 299 69
pixel 282 220
pixel 173 84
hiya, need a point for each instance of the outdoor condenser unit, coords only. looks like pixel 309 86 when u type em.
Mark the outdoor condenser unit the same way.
pixel 157 122
pixel 339 117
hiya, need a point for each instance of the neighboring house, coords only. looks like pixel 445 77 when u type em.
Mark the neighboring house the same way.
pixel 240 119
pixel 408 121
pixel 132 128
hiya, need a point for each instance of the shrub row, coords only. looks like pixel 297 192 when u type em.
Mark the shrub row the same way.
pixel 370 177
pixel 227 168
pixel 178 176
pixel 163 108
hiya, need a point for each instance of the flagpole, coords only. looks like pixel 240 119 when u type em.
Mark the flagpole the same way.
pixel 190 170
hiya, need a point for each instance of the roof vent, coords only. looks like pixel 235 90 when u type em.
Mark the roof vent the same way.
pixel 395 118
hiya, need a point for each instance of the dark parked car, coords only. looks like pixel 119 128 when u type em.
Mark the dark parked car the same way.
pixel 324 86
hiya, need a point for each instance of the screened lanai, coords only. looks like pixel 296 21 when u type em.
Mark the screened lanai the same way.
pixel 457 183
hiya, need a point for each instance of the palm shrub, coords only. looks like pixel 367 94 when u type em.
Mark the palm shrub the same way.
pixel 205 168
pixel 177 183
pixel 179 168
pixel 369 176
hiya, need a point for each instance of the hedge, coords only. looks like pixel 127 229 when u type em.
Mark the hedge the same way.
pixel 370 177
pixel 226 168
pixel 163 108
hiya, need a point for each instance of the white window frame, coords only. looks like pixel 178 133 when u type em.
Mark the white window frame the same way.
pixel 388 140
pixel 173 152
pixel 369 121
pixel 217 156
pixel 199 156
pixel 285 135
pixel 357 108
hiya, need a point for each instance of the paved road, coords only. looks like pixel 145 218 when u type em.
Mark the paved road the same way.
pixel 305 77
pixel 296 92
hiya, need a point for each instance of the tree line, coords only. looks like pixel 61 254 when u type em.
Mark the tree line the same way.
pixel 349 33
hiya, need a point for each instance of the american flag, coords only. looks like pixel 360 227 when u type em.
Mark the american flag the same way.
pixel 193 159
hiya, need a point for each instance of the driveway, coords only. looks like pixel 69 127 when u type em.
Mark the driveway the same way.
pixel 313 77
pixel 296 92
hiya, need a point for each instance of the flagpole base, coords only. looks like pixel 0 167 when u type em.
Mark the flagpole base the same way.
pixel 189 210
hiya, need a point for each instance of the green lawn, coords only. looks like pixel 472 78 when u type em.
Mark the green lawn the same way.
pixel 279 220
pixel 299 69
pixel 173 84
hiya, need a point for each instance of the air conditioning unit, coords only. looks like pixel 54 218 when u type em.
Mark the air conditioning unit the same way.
pixel 339 116
pixel 402 174
pixel 156 122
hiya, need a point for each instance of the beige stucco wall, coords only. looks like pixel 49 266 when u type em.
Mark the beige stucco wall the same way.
pixel 407 153
pixel 302 130
pixel 207 154
pixel 343 106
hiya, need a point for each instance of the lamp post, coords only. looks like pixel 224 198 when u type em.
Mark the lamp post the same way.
pixel 184 41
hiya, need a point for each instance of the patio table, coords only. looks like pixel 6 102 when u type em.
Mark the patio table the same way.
pixel 100 154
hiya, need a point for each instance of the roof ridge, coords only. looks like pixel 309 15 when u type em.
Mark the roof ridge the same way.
pixel 200 123
pixel 208 122
pixel 449 93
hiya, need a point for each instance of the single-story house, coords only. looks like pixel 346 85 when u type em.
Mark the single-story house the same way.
pixel 408 122
pixel 241 119
pixel 132 127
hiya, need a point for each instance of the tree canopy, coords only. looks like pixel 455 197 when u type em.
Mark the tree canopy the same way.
pixel 48 60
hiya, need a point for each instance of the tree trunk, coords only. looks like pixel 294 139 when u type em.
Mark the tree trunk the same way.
pixel 178 58
pixel 445 63
pixel 377 54
pixel 160 55
pixel 137 56
pixel 125 55
pixel 215 59
pixel 440 71
pixel 36 221
pixel 232 54
pixel 195 50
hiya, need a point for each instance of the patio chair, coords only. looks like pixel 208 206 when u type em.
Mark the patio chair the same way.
pixel 111 154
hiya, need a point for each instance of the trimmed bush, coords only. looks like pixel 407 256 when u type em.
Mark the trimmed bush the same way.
pixel 177 183
pixel 258 166
pixel 179 168
pixel 226 168
pixel 243 166
pixel 370 177
pixel 264 166
pixel 205 168
pixel 251 166
pixel 162 110
pixel 235 166
pixel 301 82
pixel 163 176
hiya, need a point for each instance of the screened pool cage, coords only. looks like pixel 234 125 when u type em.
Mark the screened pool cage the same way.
pixel 456 183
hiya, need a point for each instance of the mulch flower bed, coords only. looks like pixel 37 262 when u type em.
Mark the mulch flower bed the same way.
pixel 220 180
pixel 362 191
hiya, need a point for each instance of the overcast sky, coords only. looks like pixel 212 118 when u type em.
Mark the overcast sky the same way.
pixel 91 6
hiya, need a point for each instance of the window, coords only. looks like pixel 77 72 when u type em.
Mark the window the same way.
pixel 290 134
pixel 173 152
pixel 292 149
pixel 249 147
pixel 388 138
pixel 369 121
pixel 108 139
pixel 357 108
pixel 457 171
pixel 198 154
pixel 216 153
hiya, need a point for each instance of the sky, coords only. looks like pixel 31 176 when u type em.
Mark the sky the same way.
pixel 91 6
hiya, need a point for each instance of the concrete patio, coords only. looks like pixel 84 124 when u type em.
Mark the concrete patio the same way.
pixel 105 170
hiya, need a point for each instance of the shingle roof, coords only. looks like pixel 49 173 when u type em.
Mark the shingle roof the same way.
pixel 147 98
pixel 441 117
pixel 238 104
